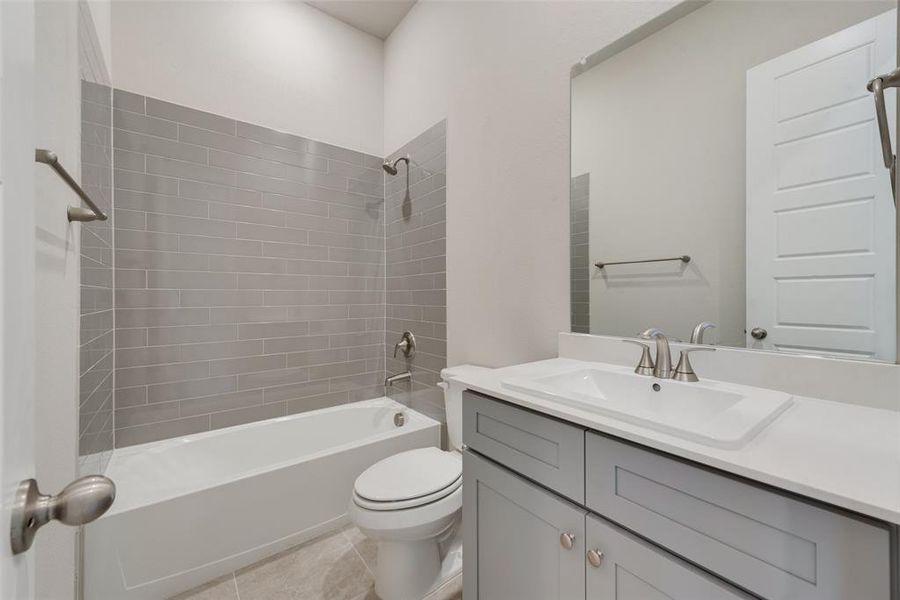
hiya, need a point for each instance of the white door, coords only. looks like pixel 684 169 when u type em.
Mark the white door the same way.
pixel 820 214
pixel 17 268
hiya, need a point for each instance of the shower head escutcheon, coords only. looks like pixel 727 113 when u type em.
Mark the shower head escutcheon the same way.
pixel 391 168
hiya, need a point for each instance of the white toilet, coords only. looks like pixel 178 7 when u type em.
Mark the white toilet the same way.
pixel 411 504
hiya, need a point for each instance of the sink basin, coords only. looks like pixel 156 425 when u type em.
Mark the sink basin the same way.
pixel 714 413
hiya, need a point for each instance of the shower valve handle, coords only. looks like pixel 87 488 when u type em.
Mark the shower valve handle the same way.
pixel 407 345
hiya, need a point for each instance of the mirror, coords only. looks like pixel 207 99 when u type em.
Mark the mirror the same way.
pixel 727 168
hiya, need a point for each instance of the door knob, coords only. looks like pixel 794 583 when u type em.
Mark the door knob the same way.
pixel 80 502
pixel 567 540
pixel 758 333
pixel 595 557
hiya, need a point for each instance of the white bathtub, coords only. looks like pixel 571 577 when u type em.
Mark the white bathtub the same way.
pixel 194 508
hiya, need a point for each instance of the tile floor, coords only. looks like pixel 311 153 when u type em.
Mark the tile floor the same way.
pixel 337 566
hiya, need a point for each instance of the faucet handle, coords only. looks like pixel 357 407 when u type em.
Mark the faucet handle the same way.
pixel 646 365
pixel 683 370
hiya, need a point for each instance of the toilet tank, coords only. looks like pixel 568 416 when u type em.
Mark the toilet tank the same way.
pixel 453 391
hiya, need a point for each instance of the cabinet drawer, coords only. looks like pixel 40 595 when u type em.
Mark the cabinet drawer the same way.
pixel 632 569
pixel 773 545
pixel 543 449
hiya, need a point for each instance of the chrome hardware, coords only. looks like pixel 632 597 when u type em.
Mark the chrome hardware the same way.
pixel 683 258
pixel 683 370
pixel 399 419
pixel 75 213
pixel 877 87
pixel 663 363
pixel 759 333
pixel 407 345
pixel 645 366
pixel 390 380
pixel 80 502
pixel 699 330
pixel 595 557
pixel 567 540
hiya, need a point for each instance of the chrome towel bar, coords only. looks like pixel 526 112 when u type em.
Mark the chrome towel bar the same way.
pixel 683 258
pixel 75 213
pixel 877 87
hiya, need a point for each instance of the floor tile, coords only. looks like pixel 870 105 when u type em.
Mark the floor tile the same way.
pixel 220 589
pixel 325 569
pixel 367 549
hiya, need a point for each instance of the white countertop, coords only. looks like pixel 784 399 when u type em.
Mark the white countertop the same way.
pixel 842 454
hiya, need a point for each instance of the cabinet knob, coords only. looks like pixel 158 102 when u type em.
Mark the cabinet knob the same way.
pixel 595 557
pixel 567 540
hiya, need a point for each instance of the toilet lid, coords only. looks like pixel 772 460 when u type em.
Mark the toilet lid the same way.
pixel 408 475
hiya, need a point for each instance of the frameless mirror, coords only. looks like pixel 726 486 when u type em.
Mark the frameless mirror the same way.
pixel 727 168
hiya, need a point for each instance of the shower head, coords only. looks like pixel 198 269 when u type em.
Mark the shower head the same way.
pixel 391 168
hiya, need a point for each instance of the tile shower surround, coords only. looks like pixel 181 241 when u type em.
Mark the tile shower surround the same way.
pixel 95 377
pixel 579 259
pixel 249 272
pixel 416 271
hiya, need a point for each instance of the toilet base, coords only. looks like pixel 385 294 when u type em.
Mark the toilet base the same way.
pixel 412 570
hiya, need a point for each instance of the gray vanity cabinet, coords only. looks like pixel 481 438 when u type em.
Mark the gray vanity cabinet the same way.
pixel 543 499
pixel 627 568
pixel 517 538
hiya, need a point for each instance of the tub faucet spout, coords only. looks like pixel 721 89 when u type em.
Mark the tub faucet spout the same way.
pixel 390 380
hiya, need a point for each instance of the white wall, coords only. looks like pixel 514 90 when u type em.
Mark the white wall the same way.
pixel 101 13
pixel 500 73
pixel 277 63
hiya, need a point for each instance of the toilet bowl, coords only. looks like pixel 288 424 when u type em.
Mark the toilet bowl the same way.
pixel 411 505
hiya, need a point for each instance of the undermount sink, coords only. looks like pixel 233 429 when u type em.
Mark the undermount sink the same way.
pixel 714 413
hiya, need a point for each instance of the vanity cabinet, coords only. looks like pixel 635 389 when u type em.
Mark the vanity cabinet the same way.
pixel 523 542
pixel 551 510
pixel 627 568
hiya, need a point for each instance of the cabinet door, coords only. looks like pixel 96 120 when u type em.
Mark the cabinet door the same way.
pixel 513 536
pixel 631 569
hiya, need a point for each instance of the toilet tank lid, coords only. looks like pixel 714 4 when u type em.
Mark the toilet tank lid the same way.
pixel 458 370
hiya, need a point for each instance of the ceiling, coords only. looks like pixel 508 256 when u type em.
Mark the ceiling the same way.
pixel 378 17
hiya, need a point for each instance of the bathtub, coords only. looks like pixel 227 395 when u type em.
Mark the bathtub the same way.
pixel 191 509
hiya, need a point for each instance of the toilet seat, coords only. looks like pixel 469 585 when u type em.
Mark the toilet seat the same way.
pixel 408 480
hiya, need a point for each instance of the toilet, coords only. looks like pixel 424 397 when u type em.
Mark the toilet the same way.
pixel 411 504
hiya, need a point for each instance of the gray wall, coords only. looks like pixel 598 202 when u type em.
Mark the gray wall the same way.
pixel 249 272
pixel 579 257
pixel 416 268
pixel 96 328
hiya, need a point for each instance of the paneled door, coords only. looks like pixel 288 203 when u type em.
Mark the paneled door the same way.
pixel 820 213
pixel 17 278
pixel 520 541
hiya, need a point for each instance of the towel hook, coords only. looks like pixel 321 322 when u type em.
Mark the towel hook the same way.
pixel 877 87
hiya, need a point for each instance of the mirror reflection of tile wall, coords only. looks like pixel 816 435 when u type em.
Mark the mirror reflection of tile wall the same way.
pixel 666 129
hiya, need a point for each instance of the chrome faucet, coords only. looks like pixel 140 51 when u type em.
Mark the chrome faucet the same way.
pixel 390 380
pixel 699 330
pixel 662 366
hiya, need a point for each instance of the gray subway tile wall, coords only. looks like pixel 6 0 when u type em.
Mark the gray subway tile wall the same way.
pixel 416 268
pixel 249 272
pixel 96 333
pixel 580 260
